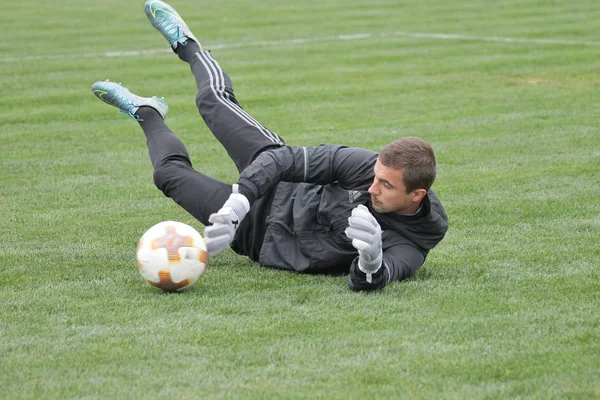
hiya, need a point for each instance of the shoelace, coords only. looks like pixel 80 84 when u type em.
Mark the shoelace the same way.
pixel 131 115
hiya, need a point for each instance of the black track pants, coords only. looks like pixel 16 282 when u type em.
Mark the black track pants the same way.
pixel 241 135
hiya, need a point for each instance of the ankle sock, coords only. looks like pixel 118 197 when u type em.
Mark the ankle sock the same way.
pixel 150 119
pixel 186 51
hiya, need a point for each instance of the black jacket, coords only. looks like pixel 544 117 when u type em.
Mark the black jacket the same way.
pixel 316 189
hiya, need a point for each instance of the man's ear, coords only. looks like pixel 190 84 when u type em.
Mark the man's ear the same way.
pixel 418 195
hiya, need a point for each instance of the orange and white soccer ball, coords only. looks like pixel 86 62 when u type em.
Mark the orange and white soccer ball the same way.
pixel 171 256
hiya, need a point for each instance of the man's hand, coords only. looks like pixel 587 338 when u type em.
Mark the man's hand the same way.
pixel 225 222
pixel 365 233
pixel 357 280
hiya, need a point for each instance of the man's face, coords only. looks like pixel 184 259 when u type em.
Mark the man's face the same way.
pixel 388 192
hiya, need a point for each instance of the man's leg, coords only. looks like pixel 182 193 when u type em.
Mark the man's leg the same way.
pixel 242 136
pixel 198 194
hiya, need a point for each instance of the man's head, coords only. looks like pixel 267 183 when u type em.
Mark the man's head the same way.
pixel 404 172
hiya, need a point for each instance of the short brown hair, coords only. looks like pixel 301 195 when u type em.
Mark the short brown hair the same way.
pixel 416 157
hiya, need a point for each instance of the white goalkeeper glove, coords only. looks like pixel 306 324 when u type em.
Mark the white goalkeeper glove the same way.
pixel 225 222
pixel 365 233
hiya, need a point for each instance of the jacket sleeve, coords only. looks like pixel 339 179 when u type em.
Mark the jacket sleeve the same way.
pixel 350 167
pixel 399 262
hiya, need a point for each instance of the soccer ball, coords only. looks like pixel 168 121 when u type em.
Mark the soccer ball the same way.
pixel 171 256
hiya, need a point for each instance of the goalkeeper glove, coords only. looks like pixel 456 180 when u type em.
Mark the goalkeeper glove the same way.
pixel 365 233
pixel 225 222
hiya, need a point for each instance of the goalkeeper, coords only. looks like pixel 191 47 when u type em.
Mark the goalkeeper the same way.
pixel 328 208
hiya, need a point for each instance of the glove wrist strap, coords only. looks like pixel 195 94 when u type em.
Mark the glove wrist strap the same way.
pixel 372 266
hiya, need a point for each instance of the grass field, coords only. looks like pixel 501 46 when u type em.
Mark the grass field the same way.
pixel 507 306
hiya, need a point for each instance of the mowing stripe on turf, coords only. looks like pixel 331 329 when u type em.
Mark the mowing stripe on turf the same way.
pixel 357 36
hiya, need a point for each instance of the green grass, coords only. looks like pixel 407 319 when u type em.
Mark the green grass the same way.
pixel 505 307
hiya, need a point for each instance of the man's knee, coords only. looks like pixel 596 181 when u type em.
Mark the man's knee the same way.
pixel 167 174
pixel 161 178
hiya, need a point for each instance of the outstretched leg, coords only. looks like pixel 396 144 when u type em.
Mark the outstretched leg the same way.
pixel 242 136
pixel 199 194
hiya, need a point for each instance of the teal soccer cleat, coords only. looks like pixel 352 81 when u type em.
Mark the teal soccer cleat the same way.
pixel 168 22
pixel 118 96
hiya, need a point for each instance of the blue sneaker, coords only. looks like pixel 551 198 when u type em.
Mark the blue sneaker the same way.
pixel 118 96
pixel 168 22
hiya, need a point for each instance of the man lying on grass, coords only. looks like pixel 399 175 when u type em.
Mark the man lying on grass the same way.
pixel 328 208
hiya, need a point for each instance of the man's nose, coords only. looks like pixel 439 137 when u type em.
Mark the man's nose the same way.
pixel 373 189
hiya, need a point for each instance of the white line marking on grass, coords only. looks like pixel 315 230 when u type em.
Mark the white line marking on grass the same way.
pixel 284 42
pixel 447 36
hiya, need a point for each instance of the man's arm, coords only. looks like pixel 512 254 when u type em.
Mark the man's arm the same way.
pixel 323 164
pixel 375 266
pixel 399 262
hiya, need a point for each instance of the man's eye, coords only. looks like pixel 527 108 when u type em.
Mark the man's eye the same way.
pixel 387 186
